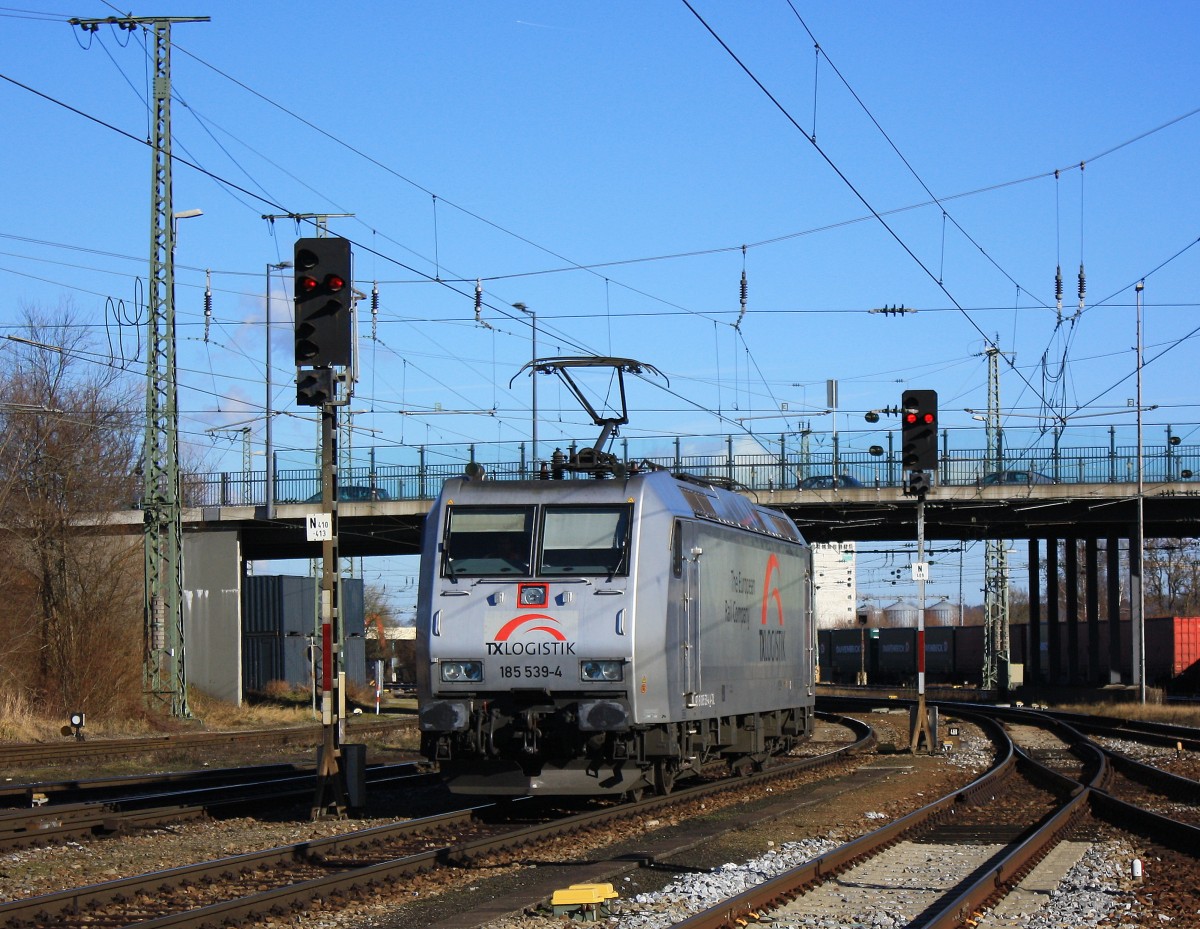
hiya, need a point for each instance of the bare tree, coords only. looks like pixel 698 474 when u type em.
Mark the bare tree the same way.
pixel 1172 572
pixel 380 614
pixel 68 431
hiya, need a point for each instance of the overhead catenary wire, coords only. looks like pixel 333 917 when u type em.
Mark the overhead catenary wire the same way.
pixel 740 314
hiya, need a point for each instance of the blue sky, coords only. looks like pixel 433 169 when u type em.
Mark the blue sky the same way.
pixel 615 168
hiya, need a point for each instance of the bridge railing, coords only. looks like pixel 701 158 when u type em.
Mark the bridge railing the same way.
pixel 756 471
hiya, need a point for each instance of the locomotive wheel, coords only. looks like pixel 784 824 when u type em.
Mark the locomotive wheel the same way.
pixel 665 773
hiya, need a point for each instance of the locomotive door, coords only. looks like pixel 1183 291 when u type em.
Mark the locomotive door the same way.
pixel 687 560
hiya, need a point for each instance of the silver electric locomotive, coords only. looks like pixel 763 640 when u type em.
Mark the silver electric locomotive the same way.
pixel 607 636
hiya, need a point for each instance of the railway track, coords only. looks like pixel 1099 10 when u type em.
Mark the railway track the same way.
pixel 950 863
pixel 33 754
pixel 1053 782
pixel 82 810
pixel 249 886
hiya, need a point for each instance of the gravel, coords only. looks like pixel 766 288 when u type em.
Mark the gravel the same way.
pixel 1096 890
pixel 693 893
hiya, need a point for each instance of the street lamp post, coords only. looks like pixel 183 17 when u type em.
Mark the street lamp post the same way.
pixel 270 462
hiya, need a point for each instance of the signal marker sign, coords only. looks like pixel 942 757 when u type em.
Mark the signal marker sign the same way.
pixel 319 527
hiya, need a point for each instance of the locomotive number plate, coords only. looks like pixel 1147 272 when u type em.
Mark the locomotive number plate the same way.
pixel 530 671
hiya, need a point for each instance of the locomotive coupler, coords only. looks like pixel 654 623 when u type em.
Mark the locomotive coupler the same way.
pixel 532 734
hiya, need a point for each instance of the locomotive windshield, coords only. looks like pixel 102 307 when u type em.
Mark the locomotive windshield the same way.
pixel 577 540
pixel 585 540
pixel 488 540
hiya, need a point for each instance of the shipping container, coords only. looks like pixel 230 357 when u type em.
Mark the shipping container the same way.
pixel 955 654
pixel 262 661
pixel 1173 653
pixel 968 654
pixel 846 653
pixel 939 654
pixel 897 656
pixel 279 619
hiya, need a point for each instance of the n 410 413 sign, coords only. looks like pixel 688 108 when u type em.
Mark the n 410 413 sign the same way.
pixel 319 527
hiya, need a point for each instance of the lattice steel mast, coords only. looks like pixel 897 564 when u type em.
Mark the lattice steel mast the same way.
pixel 164 671
pixel 995 597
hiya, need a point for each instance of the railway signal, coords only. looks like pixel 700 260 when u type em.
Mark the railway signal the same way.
pixel 314 387
pixel 918 416
pixel 917 484
pixel 324 299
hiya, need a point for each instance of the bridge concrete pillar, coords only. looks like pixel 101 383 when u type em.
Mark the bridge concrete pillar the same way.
pixel 1033 640
pixel 1071 579
pixel 1054 675
pixel 1113 551
pixel 1091 609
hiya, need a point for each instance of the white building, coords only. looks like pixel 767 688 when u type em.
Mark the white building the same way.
pixel 834 577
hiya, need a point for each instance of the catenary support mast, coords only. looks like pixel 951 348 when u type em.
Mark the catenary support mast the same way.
pixel 164 666
pixel 995 597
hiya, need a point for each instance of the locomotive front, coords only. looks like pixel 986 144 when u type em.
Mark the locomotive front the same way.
pixel 524 643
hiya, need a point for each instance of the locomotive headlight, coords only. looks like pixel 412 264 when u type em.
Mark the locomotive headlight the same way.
pixel 602 670
pixel 532 594
pixel 462 672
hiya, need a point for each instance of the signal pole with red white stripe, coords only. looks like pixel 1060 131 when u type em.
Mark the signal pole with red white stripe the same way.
pixel 918 416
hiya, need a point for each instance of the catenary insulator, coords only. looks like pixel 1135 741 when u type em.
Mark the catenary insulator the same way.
pixel 208 301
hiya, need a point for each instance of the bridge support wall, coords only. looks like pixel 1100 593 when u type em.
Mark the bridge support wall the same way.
pixel 212 613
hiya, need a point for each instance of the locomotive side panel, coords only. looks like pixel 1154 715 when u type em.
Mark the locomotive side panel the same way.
pixel 747 647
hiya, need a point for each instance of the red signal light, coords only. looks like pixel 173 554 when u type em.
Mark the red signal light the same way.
pixel 919 421
pixel 323 330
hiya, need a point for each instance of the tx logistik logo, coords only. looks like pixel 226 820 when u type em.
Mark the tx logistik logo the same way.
pixel 771 645
pixel 529 623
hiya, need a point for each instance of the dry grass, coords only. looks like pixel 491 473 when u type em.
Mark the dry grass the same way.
pixel 1178 714
pixel 21 721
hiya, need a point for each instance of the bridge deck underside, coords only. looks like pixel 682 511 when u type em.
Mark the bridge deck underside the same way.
pixel 856 514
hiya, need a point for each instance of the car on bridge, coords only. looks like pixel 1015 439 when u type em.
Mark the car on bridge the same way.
pixel 828 482
pixel 355 493
pixel 1015 477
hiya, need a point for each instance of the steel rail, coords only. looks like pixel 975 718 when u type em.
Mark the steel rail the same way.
pixel 319 851
pixel 743 908
pixel 28 754
pixel 1087 795
pixel 43 825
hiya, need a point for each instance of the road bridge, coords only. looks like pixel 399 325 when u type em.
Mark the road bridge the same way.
pixel 846 514
pixel 1042 514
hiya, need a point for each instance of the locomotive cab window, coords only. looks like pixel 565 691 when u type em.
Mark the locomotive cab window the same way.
pixel 483 541
pixel 585 540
